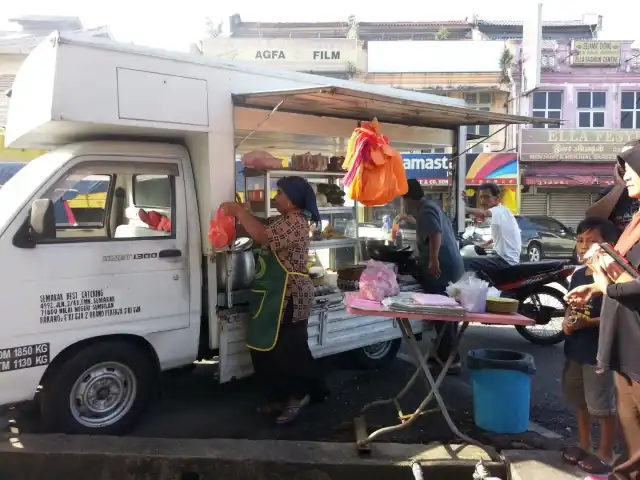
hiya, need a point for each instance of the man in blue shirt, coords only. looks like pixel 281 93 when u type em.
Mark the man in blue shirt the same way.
pixel 439 258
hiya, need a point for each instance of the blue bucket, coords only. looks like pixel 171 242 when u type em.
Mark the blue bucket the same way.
pixel 501 381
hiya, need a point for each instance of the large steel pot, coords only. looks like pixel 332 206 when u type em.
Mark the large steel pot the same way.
pixel 242 263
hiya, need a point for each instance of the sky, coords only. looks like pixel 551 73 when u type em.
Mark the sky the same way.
pixel 175 25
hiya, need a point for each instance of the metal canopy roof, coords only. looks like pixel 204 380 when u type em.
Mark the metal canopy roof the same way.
pixel 358 104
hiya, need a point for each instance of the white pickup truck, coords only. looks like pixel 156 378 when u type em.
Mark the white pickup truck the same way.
pixel 91 314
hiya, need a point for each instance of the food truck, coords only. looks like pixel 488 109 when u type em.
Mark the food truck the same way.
pixel 94 312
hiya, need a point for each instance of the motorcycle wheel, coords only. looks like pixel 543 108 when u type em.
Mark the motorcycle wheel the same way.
pixel 537 308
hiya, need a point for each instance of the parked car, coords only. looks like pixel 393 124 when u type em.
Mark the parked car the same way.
pixel 542 237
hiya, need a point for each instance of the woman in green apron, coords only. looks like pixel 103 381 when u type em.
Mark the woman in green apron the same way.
pixel 281 299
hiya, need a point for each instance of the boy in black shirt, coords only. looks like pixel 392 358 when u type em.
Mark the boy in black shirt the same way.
pixel 590 390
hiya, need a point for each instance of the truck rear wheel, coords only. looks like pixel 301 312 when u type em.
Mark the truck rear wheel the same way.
pixel 100 390
pixel 377 355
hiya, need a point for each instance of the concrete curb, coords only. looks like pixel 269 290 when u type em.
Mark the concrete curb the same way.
pixel 110 458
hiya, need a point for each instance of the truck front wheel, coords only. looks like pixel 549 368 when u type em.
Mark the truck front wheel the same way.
pixel 100 390
pixel 376 356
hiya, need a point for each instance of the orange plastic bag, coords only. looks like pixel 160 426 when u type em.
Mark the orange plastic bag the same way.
pixel 222 230
pixel 376 173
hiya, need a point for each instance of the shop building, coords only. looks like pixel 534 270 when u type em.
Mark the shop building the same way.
pixel 433 172
pixel 470 70
pixel 594 87
pixel 469 28
pixel 336 57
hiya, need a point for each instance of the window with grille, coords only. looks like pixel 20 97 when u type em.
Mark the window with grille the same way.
pixel 547 105
pixel 479 101
pixel 630 110
pixel 591 109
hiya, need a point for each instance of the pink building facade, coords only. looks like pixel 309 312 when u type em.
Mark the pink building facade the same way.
pixel 593 87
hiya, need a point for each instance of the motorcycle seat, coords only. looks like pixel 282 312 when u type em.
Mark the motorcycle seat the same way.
pixel 524 270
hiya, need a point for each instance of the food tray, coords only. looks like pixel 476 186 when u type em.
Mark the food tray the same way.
pixel 502 305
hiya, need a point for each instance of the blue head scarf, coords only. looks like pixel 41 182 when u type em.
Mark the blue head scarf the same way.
pixel 301 195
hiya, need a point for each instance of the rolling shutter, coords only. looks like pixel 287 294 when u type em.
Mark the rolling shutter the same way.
pixel 533 204
pixel 569 208
pixel 5 84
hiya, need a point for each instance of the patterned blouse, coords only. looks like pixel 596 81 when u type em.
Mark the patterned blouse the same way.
pixel 288 238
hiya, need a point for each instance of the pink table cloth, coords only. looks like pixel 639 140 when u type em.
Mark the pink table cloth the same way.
pixel 485 318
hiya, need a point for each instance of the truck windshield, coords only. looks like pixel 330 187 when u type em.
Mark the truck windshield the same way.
pixel 24 185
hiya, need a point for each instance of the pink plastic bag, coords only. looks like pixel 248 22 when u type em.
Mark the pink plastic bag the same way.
pixel 261 160
pixel 378 281
pixel 222 230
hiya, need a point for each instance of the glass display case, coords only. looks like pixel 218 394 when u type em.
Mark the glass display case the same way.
pixel 335 245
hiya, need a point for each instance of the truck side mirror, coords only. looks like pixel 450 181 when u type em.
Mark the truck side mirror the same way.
pixel 40 225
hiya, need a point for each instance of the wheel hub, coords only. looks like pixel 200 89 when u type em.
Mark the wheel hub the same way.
pixel 377 350
pixel 103 395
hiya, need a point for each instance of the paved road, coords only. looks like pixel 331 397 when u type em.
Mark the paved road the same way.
pixel 195 406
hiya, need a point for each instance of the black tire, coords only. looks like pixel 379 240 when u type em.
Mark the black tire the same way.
pixel 535 249
pixel 532 337
pixel 123 357
pixel 376 356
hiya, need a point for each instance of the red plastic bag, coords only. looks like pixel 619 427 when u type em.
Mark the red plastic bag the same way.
pixel 222 230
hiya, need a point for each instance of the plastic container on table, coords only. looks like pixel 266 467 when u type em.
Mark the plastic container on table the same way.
pixel 501 381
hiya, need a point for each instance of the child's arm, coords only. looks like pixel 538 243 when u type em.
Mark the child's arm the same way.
pixel 588 323
pixel 566 328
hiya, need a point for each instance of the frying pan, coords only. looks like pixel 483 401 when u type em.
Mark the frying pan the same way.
pixel 390 253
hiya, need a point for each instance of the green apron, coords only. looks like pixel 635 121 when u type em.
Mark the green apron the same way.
pixel 267 301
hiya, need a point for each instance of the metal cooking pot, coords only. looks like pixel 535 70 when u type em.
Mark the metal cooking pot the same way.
pixel 242 262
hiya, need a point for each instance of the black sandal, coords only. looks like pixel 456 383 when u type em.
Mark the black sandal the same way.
pixel 593 465
pixel 272 408
pixel 573 454
pixel 291 412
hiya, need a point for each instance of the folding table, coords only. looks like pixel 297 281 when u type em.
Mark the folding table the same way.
pixel 404 321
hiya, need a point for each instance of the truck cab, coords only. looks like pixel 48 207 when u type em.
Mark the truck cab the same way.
pixel 79 291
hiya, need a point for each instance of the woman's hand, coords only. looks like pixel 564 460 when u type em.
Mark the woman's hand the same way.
pixel 600 278
pixel 232 209
pixel 580 296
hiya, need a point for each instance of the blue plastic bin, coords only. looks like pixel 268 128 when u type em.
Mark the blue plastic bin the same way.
pixel 501 381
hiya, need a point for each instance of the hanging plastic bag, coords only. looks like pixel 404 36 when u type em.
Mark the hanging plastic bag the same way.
pixel 222 230
pixel 471 292
pixel 375 172
pixel 378 281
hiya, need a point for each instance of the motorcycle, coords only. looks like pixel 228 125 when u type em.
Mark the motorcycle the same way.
pixel 528 283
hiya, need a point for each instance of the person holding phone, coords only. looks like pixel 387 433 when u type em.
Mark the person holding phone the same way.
pixel 614 202
pixel 619 339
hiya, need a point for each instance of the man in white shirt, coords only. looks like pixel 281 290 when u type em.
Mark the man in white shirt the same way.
pixel 505 232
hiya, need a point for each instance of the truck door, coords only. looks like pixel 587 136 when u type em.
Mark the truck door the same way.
pixel 122 267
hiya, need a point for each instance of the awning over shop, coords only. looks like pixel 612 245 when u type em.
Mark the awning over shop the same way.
pixel 364 102
pixel 500 168
pixel 596 174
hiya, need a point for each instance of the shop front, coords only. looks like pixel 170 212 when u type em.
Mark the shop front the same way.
pixel 498 168
pixel 432 170
pixel 553 160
